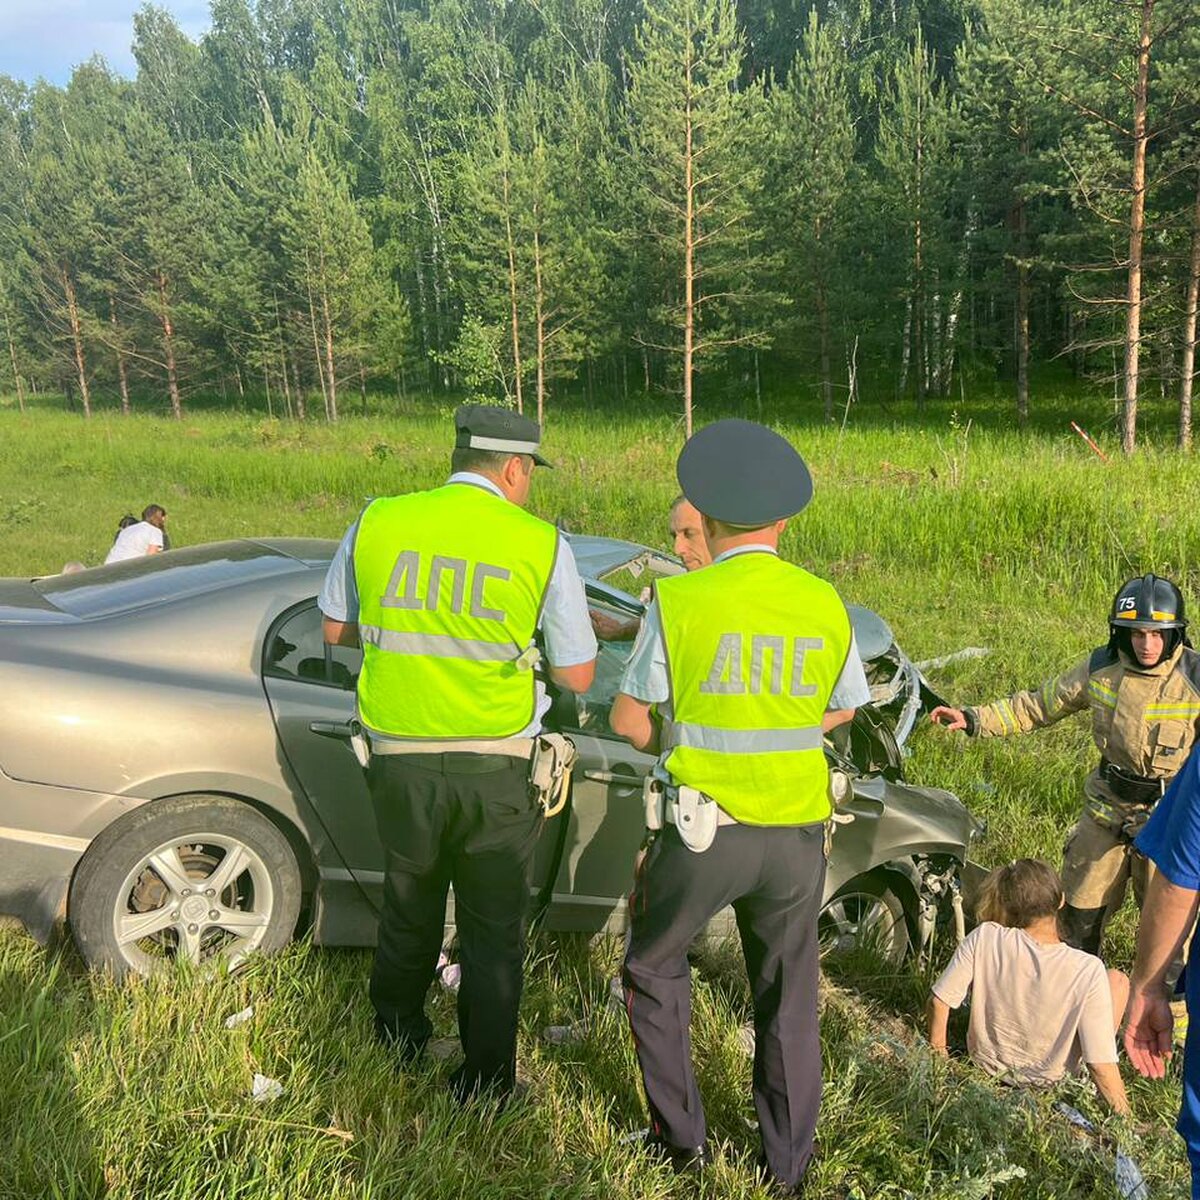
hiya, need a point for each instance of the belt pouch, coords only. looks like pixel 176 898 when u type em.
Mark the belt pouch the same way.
pixel 696 817
pixel 653 799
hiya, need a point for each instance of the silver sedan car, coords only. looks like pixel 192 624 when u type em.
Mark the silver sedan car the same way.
pixel 176 779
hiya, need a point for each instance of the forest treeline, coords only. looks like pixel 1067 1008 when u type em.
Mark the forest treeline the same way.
pixel 322 196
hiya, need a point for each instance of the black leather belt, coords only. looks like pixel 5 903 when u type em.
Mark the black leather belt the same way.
pixel 457 764
pixel 1134 789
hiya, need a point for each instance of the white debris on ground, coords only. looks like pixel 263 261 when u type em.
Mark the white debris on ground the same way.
pixel 1127 1174
pixel 616 995
pixel 441 1049
pixel 745 1037
pixel 449 974
pixel 265 1088
pixel 944 660
pixel 239 1018
pixel 566 1035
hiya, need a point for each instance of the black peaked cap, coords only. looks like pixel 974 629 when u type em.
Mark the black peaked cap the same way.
pixel 743 473
pixel 488 427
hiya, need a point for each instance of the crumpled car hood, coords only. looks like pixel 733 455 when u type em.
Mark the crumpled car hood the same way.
pixel 599 557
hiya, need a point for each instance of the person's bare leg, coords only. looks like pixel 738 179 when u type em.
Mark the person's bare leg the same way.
pixel 1118 983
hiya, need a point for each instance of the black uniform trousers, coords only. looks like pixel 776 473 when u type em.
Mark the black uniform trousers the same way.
pixel 774 878
pixel 465 819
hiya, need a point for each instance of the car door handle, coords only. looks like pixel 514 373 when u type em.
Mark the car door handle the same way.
pixel 333 729
pixel 629 781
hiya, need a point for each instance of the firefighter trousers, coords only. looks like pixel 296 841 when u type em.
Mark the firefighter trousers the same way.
pixel 1099 863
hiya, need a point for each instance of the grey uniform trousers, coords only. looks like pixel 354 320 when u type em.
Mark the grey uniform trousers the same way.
pixel 774 878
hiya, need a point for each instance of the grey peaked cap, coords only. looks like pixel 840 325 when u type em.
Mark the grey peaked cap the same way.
pixel 743 473
pixel 489 427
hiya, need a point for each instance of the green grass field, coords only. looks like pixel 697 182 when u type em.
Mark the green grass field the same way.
pixel 958 536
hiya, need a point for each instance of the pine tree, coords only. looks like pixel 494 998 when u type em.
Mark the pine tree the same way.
pixel 913 153
pixel 695 156
pixel 813 169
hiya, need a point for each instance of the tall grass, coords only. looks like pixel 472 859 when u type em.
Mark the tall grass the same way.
pixel 958 536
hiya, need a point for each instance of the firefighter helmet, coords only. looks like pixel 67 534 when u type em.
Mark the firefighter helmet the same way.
pixel 1148 602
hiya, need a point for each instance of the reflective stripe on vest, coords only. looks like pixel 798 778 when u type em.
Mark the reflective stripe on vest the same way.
pixel 436 645
pixel 741 741
pixel 754 648
pixel 450 586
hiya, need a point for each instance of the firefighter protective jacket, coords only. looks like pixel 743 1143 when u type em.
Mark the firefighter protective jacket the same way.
pixel 1144 720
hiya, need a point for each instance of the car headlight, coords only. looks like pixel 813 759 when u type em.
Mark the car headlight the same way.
pixel 839 786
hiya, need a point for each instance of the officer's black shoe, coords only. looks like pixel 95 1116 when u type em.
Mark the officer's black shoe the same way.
pixel 683 1160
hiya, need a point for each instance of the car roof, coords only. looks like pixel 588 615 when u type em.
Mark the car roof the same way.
pixel 178 574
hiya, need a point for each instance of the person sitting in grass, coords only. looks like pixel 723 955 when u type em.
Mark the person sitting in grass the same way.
pixel 1038 1006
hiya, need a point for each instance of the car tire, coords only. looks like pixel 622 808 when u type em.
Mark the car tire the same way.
pixel 202 878
pixel 865 915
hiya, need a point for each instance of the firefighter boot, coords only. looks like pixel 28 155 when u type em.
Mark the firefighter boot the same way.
pixel 1083 927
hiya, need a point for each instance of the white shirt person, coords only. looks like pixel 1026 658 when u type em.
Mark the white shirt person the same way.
pixel 142 538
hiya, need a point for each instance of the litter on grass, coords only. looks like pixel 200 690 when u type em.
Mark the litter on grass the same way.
pixel 1127 1174
pixel 239 1018
pixel 577 1032
pixel 449 974
pixel 265 1089
pixel 944 660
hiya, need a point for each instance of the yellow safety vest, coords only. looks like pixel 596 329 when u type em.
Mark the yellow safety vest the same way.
pixel 451 584
pixel 755 647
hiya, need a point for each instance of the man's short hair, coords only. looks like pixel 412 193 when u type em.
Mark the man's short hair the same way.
pixel 153 510
pixel 722 529
pixel 491 462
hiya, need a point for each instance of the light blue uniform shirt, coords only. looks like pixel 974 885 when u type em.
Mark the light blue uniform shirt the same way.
pixel 646 677
pixel 565 624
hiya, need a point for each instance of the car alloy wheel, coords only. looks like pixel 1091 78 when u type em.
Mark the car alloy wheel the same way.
pixel 196 879
pixel 208 897
pixel 864 917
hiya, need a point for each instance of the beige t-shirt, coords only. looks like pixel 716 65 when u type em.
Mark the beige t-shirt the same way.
pixel 1036 1011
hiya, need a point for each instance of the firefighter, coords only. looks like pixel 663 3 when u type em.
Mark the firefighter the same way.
pixel 1143 689
pixel 743 660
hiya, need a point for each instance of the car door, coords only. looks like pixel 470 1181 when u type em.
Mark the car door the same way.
pixel 310 687
pixel 605 825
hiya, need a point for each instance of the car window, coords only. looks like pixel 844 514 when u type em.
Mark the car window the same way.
pixel 594 707
pixel 295 649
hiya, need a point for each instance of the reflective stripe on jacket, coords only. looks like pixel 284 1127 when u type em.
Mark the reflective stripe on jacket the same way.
pixel 451 584
pixel 1143 720
pixel 754 647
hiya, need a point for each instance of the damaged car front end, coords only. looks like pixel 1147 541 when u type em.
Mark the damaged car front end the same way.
pixel 900 863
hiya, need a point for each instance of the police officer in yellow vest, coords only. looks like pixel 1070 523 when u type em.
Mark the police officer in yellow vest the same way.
pixel 1143 690
pixel 743 660
pixel 449 592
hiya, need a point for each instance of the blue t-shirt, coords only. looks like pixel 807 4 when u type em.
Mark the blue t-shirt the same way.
pixel 1171 841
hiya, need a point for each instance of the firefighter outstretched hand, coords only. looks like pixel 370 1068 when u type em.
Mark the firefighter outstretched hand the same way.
pixel 950 718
